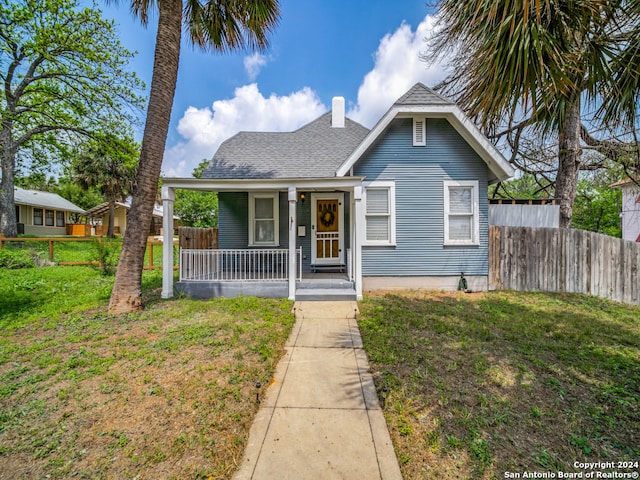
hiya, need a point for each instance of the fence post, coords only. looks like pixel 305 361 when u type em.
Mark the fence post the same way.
pixel 150 247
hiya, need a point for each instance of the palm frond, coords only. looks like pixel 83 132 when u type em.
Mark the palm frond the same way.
pixel 225 25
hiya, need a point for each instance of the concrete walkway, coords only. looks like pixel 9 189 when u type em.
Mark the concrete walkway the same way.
pixel 320 417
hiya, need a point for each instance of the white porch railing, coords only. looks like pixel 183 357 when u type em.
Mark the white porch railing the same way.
pixel 247 265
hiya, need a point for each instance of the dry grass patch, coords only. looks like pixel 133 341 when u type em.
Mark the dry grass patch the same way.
pixel 168 393
pixel 484 384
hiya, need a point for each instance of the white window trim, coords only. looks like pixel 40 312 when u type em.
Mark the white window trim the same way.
pixel 475 225
pixel 420 141
pixel 275 196
pixel 391 186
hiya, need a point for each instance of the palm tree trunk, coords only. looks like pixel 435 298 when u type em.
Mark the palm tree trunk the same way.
pixel 127 290
pixel 569 153
pixel 112 213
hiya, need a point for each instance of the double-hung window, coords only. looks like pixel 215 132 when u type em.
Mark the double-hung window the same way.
pixel 461 220
pixel 379 210
pixel 38 216
pixel 49 216
pixel 263 219
pixel 60 219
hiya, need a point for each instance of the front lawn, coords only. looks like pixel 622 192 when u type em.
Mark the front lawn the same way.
pixel 482 385
pixel 477 385
pixel 167 393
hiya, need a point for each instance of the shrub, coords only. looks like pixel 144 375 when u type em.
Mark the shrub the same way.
pixel 107 255
pixel 16 259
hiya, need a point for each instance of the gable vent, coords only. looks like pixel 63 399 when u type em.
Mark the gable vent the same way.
pixel 419 132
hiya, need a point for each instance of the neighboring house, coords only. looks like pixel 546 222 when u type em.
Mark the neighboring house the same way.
pixel 630 212
pixel 100 216
pixel 400 206
pixel 43 213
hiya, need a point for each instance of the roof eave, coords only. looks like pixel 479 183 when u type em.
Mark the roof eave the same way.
pixel 256 184
pixel 51 207
pixel 499 168
pixel 626 182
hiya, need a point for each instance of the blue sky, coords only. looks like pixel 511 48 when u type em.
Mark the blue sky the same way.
pixel 365 51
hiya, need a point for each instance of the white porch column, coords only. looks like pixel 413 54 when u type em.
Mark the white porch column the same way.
pixel 168 197
pixel 293 227
pixel 359 237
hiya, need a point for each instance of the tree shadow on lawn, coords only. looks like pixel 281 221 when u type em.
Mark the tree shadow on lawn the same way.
pixel 489 383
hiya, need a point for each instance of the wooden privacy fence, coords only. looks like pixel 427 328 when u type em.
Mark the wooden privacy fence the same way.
pixel 563 260
pixel 198 238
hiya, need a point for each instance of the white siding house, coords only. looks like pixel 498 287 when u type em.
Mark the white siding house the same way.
pixel 630 212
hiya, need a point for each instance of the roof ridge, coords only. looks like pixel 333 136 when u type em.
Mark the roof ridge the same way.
pixel 419 92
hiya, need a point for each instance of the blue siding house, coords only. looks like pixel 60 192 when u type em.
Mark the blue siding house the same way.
pixel 334 209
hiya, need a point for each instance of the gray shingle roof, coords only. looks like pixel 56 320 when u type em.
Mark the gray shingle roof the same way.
pixel 419 94
pixel 315 150
pixel 36 198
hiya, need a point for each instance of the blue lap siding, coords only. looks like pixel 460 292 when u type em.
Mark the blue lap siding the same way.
pixel 419 173
pixel 233 221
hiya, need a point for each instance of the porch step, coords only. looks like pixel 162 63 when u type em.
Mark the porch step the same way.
pixel 324 283
pixel 325 294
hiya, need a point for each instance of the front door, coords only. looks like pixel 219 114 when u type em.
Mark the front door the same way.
pixel 327 239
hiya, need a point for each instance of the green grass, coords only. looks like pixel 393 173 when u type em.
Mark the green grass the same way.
pixel 478 384
pixel 165 393
pixel 80 250
pixel 484 384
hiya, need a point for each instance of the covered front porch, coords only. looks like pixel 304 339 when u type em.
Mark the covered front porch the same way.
pixel 293 238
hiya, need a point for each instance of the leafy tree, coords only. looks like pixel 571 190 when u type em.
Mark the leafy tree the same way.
pixel 197 209
pixel 63 76
pixel 217 25
pixel 85 198
pixel 109 166
pixel 597 208
pixel 542 66
pixel 597 205
pixel 527 186
pixel 36 181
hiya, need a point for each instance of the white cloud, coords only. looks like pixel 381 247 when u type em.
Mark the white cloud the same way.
pixel 397 68
pixel 253 64
pixel 204 129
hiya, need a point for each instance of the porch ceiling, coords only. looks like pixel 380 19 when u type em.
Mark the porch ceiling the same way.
pixel 235 185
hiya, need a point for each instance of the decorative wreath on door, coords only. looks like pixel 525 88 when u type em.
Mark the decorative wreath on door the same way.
pixel 327 217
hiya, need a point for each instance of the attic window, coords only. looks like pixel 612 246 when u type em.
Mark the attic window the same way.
pixel 419 132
